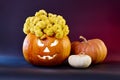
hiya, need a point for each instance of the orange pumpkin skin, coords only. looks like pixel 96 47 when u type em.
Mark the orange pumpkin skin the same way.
pixel 35 54
pixel 94 48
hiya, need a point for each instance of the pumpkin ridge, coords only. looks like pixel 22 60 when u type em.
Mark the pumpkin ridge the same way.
pixel 103 50
pixel 93 51
pixel 99 57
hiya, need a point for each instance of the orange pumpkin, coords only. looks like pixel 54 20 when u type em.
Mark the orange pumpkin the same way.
pixel 94 48
pixel 47 52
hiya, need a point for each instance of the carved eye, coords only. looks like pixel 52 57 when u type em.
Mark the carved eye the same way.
pixel 40 43
pixel 54 43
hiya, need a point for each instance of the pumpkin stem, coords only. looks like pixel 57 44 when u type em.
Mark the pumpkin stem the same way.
pixel 83 38
pixel 82 53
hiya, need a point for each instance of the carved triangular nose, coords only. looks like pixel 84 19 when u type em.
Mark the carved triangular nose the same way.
pixel 46 50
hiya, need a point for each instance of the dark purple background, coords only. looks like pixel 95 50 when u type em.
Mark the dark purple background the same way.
pixel 89 18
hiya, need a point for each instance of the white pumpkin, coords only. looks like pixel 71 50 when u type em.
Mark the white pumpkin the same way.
pixel 79 61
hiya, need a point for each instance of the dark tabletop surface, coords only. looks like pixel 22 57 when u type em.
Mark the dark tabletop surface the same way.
pixel 16 68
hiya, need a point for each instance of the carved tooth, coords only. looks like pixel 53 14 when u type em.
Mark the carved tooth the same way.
pixel 53 55
pixel 41 57
pixel 47 57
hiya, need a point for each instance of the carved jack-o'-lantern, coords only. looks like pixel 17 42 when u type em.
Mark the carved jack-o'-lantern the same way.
pixel 47 52
pixel 46 42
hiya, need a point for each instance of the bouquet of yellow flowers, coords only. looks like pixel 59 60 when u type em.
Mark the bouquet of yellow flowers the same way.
pixel 46 43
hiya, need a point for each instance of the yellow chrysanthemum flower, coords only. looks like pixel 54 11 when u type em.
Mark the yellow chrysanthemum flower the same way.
pixel 44 23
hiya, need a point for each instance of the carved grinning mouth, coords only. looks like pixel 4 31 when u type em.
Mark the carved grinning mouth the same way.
pixel 47 57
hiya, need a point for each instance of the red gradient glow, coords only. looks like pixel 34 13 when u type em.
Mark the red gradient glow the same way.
pixel 98 19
